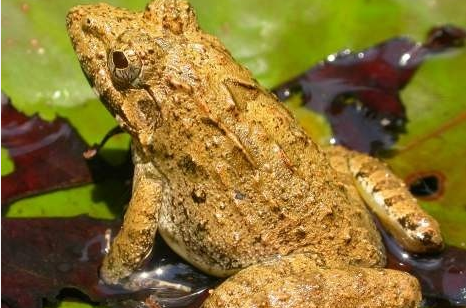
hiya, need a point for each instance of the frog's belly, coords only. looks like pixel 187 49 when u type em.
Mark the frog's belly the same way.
pixel 222 249
pixel 171 233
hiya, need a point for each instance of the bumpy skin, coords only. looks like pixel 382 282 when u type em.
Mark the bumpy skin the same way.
pixel 298 281
pixel 388 198
pixel 222 169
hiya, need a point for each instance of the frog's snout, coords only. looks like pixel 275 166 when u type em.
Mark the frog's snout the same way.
pixel 81 21
pixel 74 20
pixel 74 17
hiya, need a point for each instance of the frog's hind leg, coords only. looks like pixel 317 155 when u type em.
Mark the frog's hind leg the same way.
pixel 389 199
pixel 304 280
pixel 135 240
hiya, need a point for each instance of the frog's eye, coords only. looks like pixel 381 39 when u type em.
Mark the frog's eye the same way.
pixel 125 67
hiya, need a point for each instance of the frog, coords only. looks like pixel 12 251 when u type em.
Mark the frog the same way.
pixel 231 181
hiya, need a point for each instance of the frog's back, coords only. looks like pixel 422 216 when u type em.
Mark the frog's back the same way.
pixel 246 181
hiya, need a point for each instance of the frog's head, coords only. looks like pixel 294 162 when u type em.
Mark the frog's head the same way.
pixel 123 55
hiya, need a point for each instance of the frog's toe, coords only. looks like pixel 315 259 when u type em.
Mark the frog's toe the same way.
pixel 390 200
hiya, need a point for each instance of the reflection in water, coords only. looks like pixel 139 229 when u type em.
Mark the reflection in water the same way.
pixel 165 280
pixel 442 276
pixel 169 281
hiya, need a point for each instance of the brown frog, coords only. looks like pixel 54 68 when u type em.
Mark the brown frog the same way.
pixel 231 181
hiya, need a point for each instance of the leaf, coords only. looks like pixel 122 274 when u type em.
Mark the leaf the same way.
pixel 46 155
pixel 41 256
pixel 435 145
pixel 359 92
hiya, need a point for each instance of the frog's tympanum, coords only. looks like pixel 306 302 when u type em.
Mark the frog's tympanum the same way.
pixel 225 174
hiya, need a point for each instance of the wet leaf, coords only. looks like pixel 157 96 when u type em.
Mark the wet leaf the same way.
pixel 46 155
pixel 44 259
pixel 41 256
pixel 441 275
pixel 359 91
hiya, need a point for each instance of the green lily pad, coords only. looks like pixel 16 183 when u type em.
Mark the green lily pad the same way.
pixel 435 141
pixel 276 40
pixel 7 164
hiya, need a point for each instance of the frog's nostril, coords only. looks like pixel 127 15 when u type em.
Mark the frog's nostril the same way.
pixel 119 59
pixel 88 24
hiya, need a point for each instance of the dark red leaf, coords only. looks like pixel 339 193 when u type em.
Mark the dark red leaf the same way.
pixel 44 257
pixel 47 156
pixel 442 275
pixel 441 38
pixel 41 256
pixel 358 92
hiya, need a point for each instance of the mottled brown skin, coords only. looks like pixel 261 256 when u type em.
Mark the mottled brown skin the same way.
pixel 305 280
pixel 388 198
pixel 396 208
pixel 222 170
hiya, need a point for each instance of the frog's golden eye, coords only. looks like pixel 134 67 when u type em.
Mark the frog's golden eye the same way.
pixel 125 67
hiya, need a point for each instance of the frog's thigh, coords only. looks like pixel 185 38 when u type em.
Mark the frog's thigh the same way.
pixel 391 201
pixel 136 237
pixel 297 281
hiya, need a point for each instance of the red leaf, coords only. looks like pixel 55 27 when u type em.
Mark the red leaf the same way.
pixel 358 92
pixel 41 256
pixel 46 155
pixel 442 276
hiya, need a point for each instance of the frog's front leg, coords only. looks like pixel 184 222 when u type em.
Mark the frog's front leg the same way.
pixel 389 199
pixel 305 280
pixel 135 240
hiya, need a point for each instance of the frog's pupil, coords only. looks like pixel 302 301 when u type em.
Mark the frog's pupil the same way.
pixel 119 59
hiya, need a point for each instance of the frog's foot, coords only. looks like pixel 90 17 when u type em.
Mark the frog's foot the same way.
pixel 305 281
pixel 135 240
pixel 389 199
